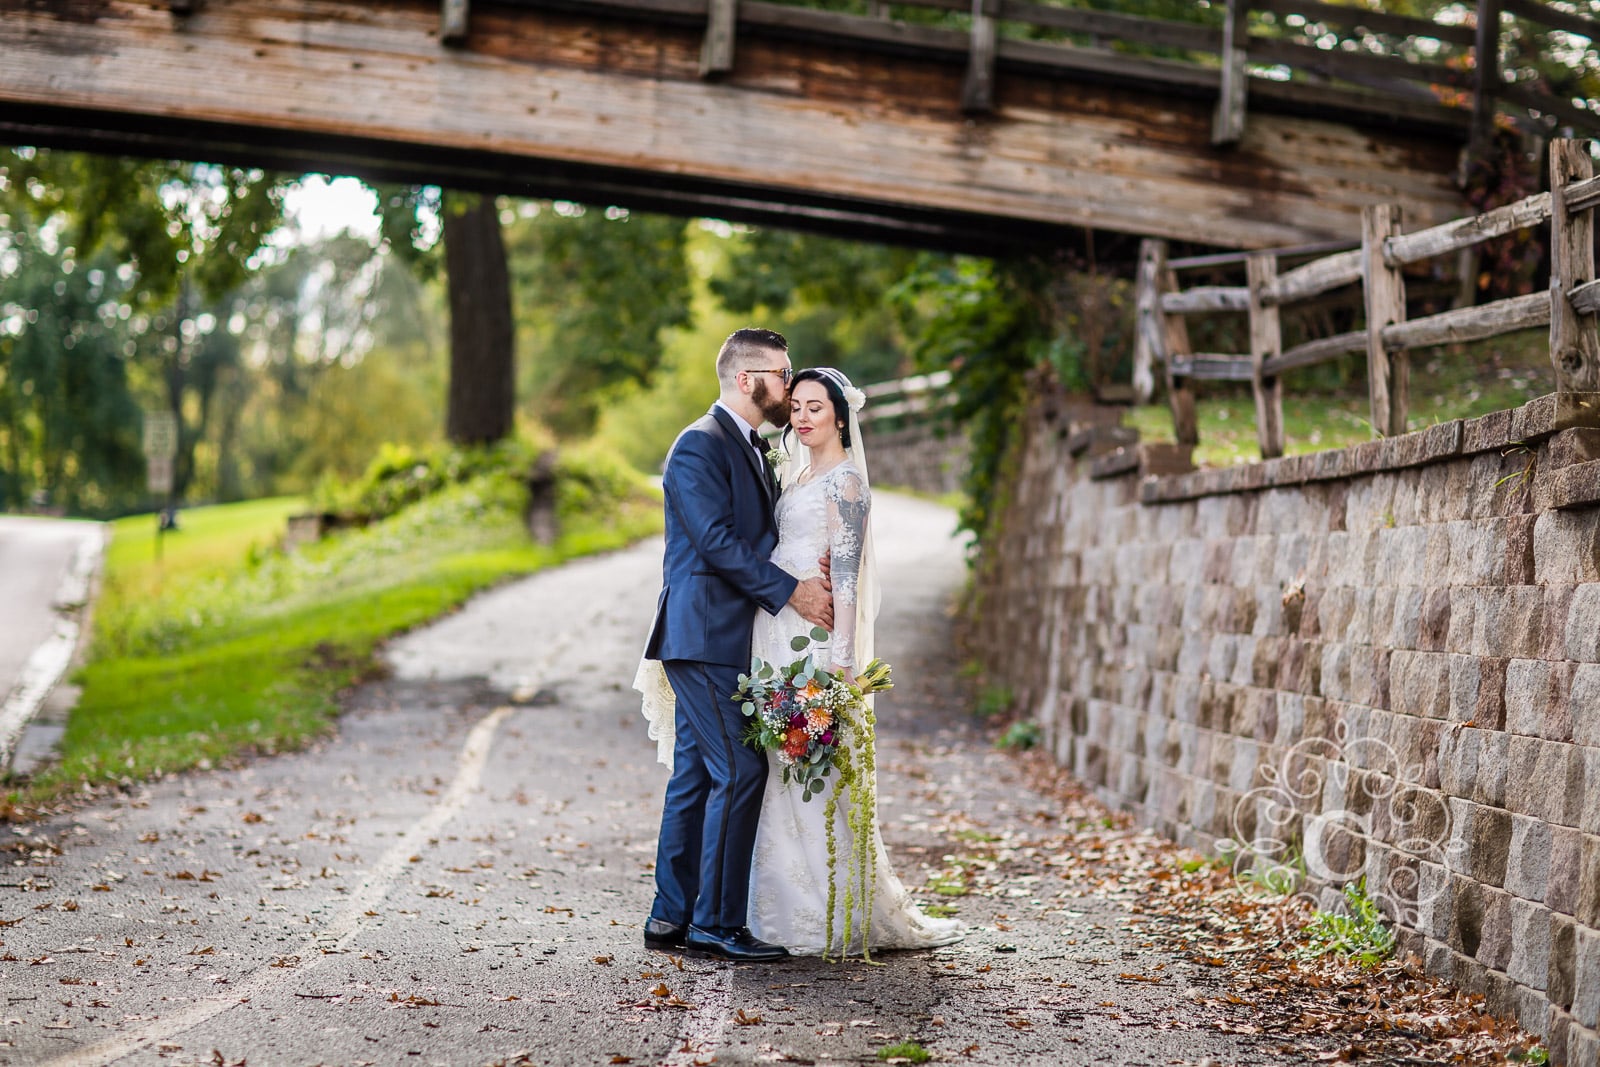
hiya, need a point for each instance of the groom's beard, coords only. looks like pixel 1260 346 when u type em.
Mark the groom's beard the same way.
pixel 775 409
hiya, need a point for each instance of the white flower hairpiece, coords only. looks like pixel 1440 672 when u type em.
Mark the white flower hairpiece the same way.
pixel 854 398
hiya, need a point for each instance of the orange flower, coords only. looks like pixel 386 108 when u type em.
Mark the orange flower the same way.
pixel 795 743
pixel 811 690
pixel 819 719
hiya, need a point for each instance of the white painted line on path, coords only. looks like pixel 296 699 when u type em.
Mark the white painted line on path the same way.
pixel 349 922
pixel 705 1024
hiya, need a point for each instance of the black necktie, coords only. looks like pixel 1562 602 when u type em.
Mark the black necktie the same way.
pixel 761 450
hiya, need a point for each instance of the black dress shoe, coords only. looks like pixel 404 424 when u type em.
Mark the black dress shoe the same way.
pixel 658 933
pixel 740 946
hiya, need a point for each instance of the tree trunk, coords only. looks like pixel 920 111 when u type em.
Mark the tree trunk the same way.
pixel 482 356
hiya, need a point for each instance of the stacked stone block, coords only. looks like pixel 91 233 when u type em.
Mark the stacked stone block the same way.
pixel 1385 660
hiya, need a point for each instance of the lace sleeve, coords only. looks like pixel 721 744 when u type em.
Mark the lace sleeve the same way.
pixel 849 504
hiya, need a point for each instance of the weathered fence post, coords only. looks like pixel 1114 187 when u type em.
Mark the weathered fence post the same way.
pixel 1165 336
pixel 977 93
pixel 1148 344
pixel 1574 348
pixel 1227 124
pixel 1266 342
pixel 716 52
pixel 1388 378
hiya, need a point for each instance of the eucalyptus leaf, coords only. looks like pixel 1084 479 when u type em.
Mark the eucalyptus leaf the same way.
pixel 818 634
pixel 748 708
pixel 799 643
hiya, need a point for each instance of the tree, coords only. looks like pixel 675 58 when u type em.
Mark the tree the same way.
pixel 185 234
pixel 482 395
pixel 830 297
pixel 69 426
pixel 598 290
pixel 482 342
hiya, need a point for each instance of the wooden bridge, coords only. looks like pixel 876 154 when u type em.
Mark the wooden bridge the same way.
pixel 920 122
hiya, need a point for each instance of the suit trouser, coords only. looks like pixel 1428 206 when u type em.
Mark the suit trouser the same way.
pixel 708 823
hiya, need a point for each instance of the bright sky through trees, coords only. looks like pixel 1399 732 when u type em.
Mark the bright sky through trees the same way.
pixel 323 207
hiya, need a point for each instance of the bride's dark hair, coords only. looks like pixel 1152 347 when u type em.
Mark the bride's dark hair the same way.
pixel 841 409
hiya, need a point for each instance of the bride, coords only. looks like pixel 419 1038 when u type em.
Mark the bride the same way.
pixel 824 512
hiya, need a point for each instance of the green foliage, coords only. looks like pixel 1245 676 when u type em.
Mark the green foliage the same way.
pixel 1357 931
pixel 909 1051
pixel 177 238
pixel 993 700
pixel 400 475
pixel 69 421
pixel 1534 1054
pixel 825 294
pixel 245 647
pixel 1005 329
pixel 1277 879
pixel 966 317
pixel 598 289
pixel 170 221
pixel 1023 734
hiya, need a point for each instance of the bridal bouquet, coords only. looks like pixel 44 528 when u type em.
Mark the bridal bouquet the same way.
pixel 803 712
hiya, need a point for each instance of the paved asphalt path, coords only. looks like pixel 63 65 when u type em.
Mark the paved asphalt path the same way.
pixel 459 879
pixel 40 561
pixel 35 555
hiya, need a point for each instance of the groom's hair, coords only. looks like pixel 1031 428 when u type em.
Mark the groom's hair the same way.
pixel 745 349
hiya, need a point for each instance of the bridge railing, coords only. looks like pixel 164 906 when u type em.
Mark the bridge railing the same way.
pixel 1569 307
pixel 1301 49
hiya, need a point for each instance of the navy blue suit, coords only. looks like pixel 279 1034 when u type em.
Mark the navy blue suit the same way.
pixel 720 532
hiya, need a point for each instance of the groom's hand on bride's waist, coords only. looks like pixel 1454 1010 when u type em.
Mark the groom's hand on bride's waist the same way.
pixel 813 599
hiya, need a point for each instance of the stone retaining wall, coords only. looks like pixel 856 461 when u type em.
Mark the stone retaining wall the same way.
pixel 1381 661
pixel 916 457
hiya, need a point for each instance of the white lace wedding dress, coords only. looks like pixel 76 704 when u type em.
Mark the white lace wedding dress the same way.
pixel 789 879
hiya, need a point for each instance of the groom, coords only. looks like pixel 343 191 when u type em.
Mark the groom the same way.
pixel 721 530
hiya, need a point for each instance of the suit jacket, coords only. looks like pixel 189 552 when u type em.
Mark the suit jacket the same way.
pixel 721 530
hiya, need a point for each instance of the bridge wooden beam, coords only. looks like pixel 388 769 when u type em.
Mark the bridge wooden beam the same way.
pixel 1486 76
pixel 722 23
pixel 977 91
pixel 453 21
pixel 855 135
pixel 1227 126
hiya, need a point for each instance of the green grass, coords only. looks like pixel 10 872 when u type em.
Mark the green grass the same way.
pixel 909 1051
pixel 229 647
pixel 1023 734
pixel 1463 382
pixel 993 701
pixel 1356 933
pixel 208 541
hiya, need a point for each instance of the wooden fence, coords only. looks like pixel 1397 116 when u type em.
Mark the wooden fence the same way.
pixel 1568 308
pixel 889 403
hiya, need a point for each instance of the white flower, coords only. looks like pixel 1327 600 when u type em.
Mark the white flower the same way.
pixel 854 397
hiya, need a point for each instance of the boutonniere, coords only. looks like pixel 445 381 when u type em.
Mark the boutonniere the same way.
pixel 774 457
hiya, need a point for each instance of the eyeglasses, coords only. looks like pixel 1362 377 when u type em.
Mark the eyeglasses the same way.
pixel 786 373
